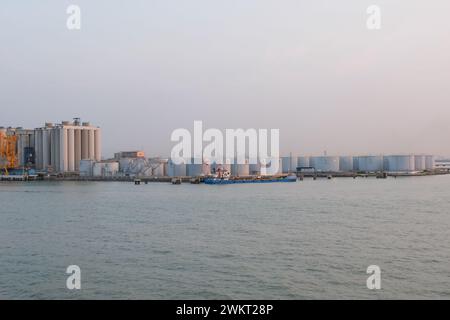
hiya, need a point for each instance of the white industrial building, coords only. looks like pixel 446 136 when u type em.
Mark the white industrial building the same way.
pixel 60 147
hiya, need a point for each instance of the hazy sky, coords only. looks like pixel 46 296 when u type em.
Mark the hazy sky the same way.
pixel 140 69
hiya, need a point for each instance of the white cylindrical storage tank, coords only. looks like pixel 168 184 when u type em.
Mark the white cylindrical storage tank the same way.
pixel 176 170
pixel 288 164
pixel 37 149
pixel 86 168
pixel 325 163
pixel 84 144
pixel 303 162
pixel 56 136
pixel 158 168
pixel 71 149
pixel 369 163
pixel 45 149
pixel 430 162
pixel 77 149
pixel 98 144
pixel 198 169
pixel 419 163
pixel 346 163
pixel 194 170
pixel 239 170
pixel 63 149
pixel 91 144
pixel 399 163
pixel 53 149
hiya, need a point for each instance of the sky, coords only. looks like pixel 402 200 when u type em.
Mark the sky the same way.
pixel 312 69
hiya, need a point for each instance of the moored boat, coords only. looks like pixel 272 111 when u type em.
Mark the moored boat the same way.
pixel 257 179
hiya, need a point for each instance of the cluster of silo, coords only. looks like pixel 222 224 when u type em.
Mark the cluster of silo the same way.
pixel 61 147
pixel 325 163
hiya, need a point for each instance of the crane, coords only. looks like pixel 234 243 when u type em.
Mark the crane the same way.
pixel 8 158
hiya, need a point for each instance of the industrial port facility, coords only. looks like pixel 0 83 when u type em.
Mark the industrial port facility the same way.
pixel 72 149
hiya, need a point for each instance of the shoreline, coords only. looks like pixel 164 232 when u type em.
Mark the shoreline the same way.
pixel 188 179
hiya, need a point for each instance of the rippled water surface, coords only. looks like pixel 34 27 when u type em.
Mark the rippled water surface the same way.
pixel 304 240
